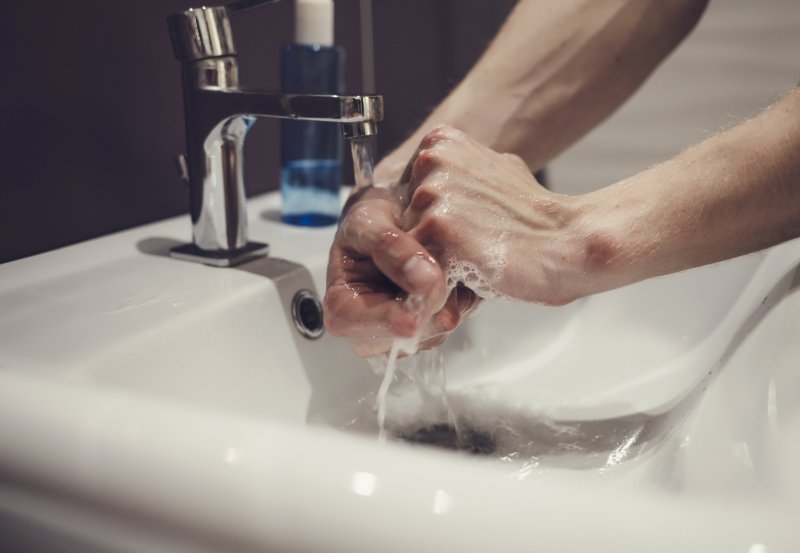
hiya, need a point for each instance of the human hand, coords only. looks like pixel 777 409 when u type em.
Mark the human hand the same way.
pixel 373 267
pixel 489 224
pixel 467 211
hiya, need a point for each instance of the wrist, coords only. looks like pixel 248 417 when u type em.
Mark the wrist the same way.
pixel 579 256
pixel 549 254
pixel 605 230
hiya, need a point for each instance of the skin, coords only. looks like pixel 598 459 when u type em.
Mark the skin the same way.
pixel 582 59
pixel 373 266
pixel 733 194
pixel 460 199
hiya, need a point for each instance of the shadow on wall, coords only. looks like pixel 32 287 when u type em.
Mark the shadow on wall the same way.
pixel 95 121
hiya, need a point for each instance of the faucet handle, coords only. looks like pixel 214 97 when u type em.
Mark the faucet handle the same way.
pixel 200 33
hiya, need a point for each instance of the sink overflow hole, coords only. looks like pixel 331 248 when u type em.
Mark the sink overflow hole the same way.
pixel 307 314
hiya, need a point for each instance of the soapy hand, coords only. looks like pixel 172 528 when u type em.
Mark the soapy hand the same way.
pixel 374 266
pixel 468 223
pixel 489 224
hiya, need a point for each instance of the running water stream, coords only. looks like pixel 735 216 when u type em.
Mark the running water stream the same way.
pixel 363 152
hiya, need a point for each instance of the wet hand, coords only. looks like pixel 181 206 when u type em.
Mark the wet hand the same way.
pixel 488 223
pixel 373 267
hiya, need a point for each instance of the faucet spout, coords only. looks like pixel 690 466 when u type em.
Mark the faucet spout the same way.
pixel 358 115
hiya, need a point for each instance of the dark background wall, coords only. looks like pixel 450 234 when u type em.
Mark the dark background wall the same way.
pixel 91 108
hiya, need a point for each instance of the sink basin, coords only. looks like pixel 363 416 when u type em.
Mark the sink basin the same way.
pixel 149 404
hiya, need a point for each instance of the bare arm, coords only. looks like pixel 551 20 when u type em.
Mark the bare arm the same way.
pixel 555 70
pixel 735 193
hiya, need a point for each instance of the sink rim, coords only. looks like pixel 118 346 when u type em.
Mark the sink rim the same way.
pixel 177 457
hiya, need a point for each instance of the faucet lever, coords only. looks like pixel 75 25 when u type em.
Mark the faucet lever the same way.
pixel 205 32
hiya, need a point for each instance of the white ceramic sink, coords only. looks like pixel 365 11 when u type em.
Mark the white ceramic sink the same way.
pixel 149 404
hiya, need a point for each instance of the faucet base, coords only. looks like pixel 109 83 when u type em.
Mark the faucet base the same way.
pixel 190 252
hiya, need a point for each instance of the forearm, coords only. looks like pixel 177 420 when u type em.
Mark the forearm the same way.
pixel 735 193
pixel 556 69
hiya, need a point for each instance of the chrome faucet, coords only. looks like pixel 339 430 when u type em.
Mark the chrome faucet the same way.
pixel 218 115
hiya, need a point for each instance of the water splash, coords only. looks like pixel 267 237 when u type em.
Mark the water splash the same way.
pixel 483 420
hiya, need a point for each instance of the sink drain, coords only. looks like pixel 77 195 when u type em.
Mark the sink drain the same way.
pixel 444 435
pixel 307 314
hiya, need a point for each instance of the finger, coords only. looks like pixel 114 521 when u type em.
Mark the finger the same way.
pixel 460 303
pixel 409 265
pixel 403 260
pixel 434 342
pixel 439 133
pixel 355 312
pixel 365 221
pixel 371 347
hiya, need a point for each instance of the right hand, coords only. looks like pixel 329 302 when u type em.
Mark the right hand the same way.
pixel 482 214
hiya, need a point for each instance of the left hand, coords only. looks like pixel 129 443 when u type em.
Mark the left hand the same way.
pixel 373 267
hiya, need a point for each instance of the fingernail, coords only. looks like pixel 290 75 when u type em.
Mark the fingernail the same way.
pixel 419 272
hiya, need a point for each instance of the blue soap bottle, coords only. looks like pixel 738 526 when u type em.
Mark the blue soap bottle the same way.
pixel 311 151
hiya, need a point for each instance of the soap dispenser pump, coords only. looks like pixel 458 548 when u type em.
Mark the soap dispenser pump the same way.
pixel 311 151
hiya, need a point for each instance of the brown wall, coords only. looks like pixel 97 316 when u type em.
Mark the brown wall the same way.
pixel 90 102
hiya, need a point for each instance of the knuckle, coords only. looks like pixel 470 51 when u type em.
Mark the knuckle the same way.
pixel 445 131
pixel 434 342
pixel 434 228
pixel 386 241
pixel 436 134
pixel 427 161
pixel 518 161
pixel 514 158
pixel 360 211
pixel 357 218
pixel 440 133
pixel 423 197
pixel 331 310
pixel 428 158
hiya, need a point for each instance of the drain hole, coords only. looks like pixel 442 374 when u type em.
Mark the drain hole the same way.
pixel 307 314
pixel 445 436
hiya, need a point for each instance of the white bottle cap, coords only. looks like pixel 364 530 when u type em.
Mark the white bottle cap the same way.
pixel 314 22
